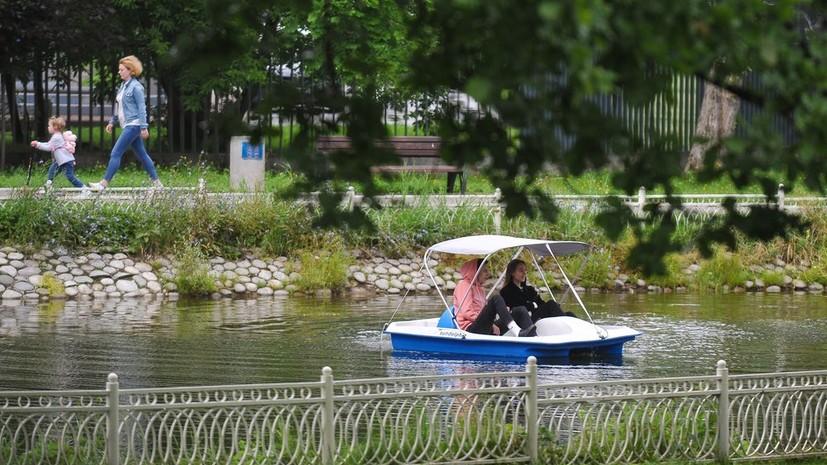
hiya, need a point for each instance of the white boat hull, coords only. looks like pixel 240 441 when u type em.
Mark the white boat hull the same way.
pixel 557 337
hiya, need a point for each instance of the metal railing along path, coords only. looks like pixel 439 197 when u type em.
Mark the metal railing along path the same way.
pixel 692 205
pixel 458 418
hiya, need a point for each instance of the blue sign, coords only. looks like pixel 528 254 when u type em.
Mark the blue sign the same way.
pixel 252 152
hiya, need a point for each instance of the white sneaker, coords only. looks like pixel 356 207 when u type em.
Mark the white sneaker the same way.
pixel 97 186
pixel 156 184
pixel 48 185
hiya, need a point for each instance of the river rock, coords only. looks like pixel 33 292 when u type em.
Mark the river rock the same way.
pixel 8 270
pixel 11 294
pixel 143 267
pixel 126 285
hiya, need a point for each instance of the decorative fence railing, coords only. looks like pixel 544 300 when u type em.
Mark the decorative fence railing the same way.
pixel 477 418
pixel 692 205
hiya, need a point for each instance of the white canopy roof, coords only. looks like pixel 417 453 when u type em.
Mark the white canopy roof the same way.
pixel 488 244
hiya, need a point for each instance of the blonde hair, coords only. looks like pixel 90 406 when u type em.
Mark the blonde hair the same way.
pixel 133 64
pixel 57 122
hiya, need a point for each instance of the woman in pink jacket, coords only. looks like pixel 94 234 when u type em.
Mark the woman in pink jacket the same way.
pixel 476 315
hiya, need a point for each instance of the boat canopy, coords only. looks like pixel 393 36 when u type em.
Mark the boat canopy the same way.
pixel 489 244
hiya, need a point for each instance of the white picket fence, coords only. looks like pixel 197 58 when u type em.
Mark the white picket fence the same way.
pixel 503 417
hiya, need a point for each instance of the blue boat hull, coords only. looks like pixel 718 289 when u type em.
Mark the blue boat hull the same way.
pixel 512 348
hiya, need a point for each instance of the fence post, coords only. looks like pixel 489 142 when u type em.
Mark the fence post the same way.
pixel 328 445
pixel 723 412
pixel 532 410
pixel 113 447
pixel 641 201
pixel 781 196
pixel 498 210
pixel 351 193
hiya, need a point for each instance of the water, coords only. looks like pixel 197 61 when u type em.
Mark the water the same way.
pixel 73 345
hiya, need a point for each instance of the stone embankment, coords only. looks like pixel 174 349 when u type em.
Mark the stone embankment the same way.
pixel 48 275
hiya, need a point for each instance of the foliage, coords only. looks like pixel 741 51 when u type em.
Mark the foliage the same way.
pixel 397 231
pixel 193 276
pixel 596 271
pixel 324 266
pixel 817 273
pixel 723 269
pixel 53 286
pixel 535 67
pixel 267 225
pixel 645 433
pixel 772 277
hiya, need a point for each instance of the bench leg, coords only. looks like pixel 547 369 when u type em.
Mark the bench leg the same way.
pixel 463 183
pixel 452 178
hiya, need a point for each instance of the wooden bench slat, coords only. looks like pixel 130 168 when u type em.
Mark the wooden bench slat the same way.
pixel 417 169
pixel 409 148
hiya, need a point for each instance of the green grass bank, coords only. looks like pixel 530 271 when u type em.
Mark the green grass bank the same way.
pixel 196 229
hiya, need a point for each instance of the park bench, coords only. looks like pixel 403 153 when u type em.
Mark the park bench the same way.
pixel 420 154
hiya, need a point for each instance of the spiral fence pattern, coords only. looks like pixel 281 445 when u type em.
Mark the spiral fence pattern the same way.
pixel 475 418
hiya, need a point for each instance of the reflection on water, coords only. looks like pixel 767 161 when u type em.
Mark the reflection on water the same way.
pixel 62 345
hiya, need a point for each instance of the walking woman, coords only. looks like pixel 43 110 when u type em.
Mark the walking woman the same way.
pixel 130 113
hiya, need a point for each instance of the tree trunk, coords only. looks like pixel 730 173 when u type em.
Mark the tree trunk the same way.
pixel 716 121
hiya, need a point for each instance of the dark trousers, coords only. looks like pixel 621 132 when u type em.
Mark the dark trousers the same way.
pixel 547 310
pixel 496 307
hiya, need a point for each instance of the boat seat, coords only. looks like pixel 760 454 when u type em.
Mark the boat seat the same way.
pixel 447 319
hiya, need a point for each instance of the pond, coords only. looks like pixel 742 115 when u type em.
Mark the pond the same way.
pixel 72 345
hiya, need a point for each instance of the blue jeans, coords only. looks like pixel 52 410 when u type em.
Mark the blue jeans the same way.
pixel 67 167
pixel 130 138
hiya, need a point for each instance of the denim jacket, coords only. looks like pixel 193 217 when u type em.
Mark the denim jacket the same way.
pixel 134 105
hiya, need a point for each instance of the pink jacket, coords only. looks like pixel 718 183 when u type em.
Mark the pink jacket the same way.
pixel 474 301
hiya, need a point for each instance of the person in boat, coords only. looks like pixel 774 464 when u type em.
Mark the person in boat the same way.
pixel 517 293
pixel 475 314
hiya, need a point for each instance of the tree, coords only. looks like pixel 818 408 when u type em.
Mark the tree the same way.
pixel 35 35
pixel 716 122
pixel 539 64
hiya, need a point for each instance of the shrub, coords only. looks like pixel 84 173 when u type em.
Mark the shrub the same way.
pixel 324 266
pixel 193 277
pixel 52 285
pixel 772 277
pixel 723 269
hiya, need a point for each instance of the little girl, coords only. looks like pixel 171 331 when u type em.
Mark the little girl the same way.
pixel 62 153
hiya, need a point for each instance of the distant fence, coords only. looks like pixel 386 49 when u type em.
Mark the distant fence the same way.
pixel 480 418
pixel 179 130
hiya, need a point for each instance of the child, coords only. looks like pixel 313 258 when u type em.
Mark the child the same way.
pixel 62 146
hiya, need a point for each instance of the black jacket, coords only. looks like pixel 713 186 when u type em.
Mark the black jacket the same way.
pixel 527 296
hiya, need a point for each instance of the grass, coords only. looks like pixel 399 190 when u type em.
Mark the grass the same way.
pixel 271 227
pixel 187 173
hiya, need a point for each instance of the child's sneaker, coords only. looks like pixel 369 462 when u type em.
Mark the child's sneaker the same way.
pixel 97 186
pixel 48 185
pixel 156 184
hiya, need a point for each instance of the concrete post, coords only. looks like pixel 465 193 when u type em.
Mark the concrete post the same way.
pixel 723 412
pixel 113 446
pixel 246 164
pixel 328 438
pixel 641 201
pixel 532 410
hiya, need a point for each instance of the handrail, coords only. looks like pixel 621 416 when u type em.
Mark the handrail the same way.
pixel 486 417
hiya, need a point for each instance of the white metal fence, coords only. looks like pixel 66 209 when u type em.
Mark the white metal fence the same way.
pixel 478 418
pixel 692 205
